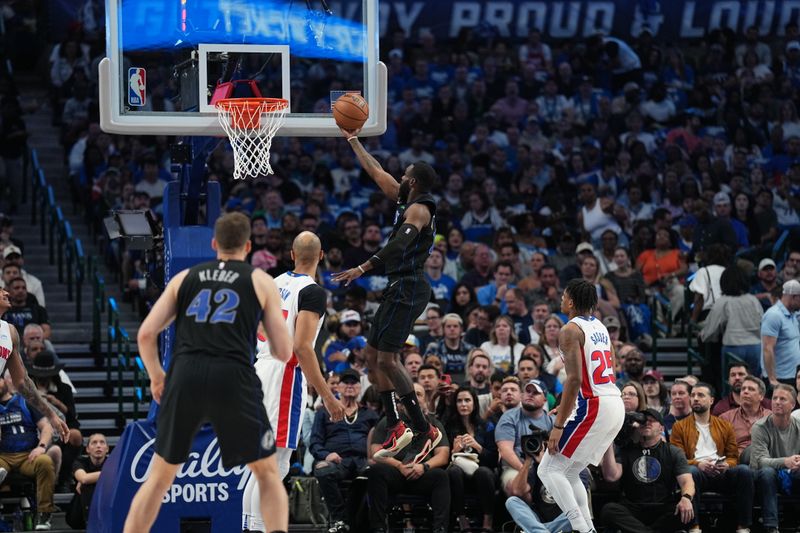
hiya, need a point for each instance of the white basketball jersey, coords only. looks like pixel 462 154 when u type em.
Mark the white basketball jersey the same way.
pixel 597 372
pixel 6 345
pixel 289 286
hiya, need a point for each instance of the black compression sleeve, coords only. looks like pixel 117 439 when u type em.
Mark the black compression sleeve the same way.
pixel 402 239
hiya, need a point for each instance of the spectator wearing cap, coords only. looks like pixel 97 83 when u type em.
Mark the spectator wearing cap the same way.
pixel 737 372
pixel 12 255
pixel 333 351
pixel 751 395
pixel 655 391
pixel 774 454
pixel 451 348
pixel 340 448
pixel 737 315
pixel 722 209
pixel 780 336
pixel 45 371
pixel 517 423
pixel 572 268
pixel 649 468
pixel 357 359
pixel 709 444
pixel 791 63
pixel 767 276
pixel 686 226
pixel 24 311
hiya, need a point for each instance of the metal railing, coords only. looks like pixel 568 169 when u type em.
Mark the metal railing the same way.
pixel 75 269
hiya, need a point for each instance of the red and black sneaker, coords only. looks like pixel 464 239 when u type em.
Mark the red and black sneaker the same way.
pixel 423 444
pixel 399 437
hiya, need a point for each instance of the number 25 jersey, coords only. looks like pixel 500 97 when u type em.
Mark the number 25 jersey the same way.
pixel 218 312
pixel 597 368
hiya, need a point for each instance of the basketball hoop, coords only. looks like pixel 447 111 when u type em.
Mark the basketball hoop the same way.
pixel 250 124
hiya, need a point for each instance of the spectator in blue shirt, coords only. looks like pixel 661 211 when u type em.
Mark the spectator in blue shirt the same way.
pixel 442 285
pixel 494 292
pixel 340 448
pixel 780 337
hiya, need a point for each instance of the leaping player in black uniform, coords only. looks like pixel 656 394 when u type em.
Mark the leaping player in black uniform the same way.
pixel 404 299
pixel 216 307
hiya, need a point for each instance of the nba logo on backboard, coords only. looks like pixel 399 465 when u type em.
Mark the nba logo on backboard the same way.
pixel 137 78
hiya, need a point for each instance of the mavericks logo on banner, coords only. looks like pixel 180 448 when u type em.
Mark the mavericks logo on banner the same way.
pixel 203 488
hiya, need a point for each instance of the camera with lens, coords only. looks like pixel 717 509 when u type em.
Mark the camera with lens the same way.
pixel 533 444
pixel 633 420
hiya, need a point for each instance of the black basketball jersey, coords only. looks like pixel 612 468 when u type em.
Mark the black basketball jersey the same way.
pixel 412 259
pixel 218 312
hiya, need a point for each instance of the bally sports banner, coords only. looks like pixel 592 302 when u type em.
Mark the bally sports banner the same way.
pixel 203 489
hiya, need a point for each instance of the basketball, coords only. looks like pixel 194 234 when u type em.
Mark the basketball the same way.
pixel 350 111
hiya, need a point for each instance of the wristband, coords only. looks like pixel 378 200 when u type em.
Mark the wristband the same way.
pixel 426 466
pixel 557 426
pixel 361 269
pixel 42 445
pixel 687 496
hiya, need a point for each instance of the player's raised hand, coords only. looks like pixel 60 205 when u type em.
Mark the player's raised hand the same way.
pixel 349 134
pixel 347 276
pixel 334 407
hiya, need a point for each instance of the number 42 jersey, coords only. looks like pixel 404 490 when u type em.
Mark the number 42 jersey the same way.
pixel 218 312
pixel 597 372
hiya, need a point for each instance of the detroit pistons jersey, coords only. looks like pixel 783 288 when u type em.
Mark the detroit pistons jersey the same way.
pixel 6 345
pixel 298 292
pixel 597 369
pixel 283 384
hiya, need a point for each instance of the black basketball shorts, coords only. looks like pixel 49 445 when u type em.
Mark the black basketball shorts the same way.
pixel 227 394
pixel 403 302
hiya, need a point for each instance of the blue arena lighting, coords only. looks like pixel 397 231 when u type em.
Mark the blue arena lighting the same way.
pixel 150 25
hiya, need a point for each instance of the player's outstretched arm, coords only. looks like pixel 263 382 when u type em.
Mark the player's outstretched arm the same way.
pixel 27 388
pixel 160 316
pixel 383 179
pixel 304 335
pixel 570 340
pixel 280 343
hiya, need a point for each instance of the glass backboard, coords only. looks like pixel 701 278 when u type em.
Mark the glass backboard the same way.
pixel 169 60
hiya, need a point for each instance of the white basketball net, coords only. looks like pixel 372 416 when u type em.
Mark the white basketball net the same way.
pixel 250 124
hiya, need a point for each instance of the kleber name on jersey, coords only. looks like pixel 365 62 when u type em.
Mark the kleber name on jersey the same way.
pixel 224 276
